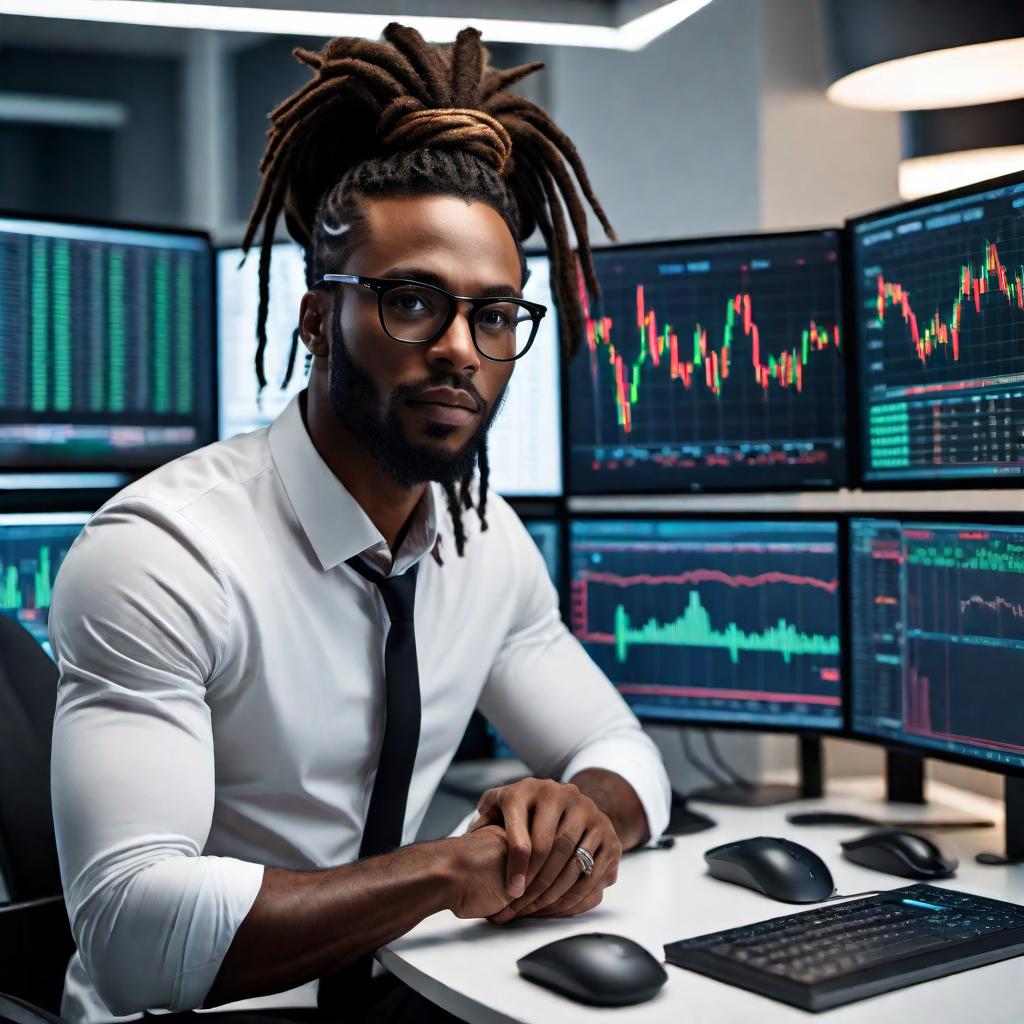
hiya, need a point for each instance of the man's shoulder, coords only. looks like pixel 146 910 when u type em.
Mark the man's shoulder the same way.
pixel 173 515
pixel 179 484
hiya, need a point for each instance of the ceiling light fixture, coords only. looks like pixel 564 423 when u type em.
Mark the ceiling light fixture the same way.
pixel 945 149
pixel 632 35
pixel 927 175
pixel 924 54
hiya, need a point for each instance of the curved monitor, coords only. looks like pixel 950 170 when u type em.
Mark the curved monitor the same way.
pixel 106 345
pixel 711 365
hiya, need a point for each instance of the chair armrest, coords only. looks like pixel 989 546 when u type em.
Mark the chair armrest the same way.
pixel 19 1011
pixel 36 939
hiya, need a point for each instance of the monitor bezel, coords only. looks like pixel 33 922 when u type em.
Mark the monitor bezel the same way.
pixel 213 420
pixel 753 236
pixel 908 746
pixel 842 544
pixel 58 500
pixel 857 412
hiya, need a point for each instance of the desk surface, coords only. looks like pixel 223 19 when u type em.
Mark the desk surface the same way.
pixel 469 967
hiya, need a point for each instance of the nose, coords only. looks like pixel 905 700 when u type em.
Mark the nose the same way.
pixel 454 350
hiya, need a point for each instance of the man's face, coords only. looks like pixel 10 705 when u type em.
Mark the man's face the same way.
pixel 384 391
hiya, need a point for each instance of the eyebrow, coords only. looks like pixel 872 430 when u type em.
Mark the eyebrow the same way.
pixel 429 277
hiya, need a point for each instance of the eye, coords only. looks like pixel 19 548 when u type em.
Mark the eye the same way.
pixel 412 302
pixel 498 318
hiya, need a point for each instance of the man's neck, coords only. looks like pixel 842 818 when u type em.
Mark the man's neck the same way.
pixel 389 505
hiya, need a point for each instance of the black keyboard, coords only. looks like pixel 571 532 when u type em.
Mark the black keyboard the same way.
pixel 843 952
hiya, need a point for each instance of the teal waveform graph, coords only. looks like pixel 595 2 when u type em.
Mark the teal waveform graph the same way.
pixel 709 620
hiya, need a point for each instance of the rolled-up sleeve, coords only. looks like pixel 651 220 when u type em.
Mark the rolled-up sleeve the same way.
pixel 552 704
pixel 139 623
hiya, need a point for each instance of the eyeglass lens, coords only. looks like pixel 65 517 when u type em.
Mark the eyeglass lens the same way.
pixel 503 329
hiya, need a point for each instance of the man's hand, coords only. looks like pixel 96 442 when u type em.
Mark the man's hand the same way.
pixel 545 821
pixel 478 872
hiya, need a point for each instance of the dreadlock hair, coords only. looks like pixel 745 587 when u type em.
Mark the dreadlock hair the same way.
pixel 408 118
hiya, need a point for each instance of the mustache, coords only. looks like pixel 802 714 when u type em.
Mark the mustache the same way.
pixel 443 380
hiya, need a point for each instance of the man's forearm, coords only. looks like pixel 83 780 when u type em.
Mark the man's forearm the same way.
pixel 305 924
pixel 617 799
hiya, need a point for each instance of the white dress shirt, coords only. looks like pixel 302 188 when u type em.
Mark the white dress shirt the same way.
pixel 220 700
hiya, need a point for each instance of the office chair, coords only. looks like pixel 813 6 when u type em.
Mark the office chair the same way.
pixel 34 932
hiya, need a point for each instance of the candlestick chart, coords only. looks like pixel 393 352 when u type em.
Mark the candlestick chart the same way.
pixel 711 365
pixel 32 548
pixel 940 328
pixel 938 617
pixel 712 621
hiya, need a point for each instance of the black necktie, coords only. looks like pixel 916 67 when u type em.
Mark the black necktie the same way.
pixel 386 814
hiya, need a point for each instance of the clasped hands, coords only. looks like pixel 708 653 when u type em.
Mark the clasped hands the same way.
pixel 541 823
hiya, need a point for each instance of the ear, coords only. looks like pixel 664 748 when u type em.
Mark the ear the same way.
pixel 313 325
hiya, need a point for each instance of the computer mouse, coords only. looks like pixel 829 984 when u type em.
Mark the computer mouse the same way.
pixel 829 818
pixel 778 868
pixel 595 968
pixel 899 853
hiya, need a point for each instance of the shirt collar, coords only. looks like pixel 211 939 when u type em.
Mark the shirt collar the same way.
pixel 333 521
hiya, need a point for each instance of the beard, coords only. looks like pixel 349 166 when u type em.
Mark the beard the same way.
pixel 357 401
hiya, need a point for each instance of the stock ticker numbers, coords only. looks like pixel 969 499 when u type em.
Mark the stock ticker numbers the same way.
pixel 939 635
pixel 711 365
pixel 711 620
pixel 940 320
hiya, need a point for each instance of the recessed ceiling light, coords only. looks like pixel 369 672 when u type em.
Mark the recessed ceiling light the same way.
pixel 632 35
pixel 957 77
pixel 923 54
pixel 927 175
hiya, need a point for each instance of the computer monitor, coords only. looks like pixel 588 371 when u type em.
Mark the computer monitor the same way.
pixel 525 441
pixel 237 305
pixel 937 634
pixel 524 444
pixel 106 345
pixel 547 535
pixel 713 622
pixel 32 547
pixel 938 308
pixel 711 365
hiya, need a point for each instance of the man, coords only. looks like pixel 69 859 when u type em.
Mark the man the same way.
pixel 270 648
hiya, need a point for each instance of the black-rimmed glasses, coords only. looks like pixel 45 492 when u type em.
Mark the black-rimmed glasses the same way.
pixel 415 313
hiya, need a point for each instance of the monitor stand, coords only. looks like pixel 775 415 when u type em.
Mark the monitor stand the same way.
pixel 684 821
pixel 766 794
pixel 1013 794
pixel 904 778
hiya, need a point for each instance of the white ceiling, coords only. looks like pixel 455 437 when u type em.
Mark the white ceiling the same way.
pixel 101 37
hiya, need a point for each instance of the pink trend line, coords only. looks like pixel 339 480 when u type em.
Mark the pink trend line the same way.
pixel 994 605
pixel 712 576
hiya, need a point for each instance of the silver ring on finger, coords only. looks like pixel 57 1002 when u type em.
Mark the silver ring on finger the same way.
pixel 585 859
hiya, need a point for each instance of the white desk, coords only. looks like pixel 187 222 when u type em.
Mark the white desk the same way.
pixel 469 967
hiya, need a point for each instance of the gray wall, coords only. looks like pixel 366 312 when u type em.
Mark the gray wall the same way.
pixel 670 135
pixel 143 179
pixel 722 125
